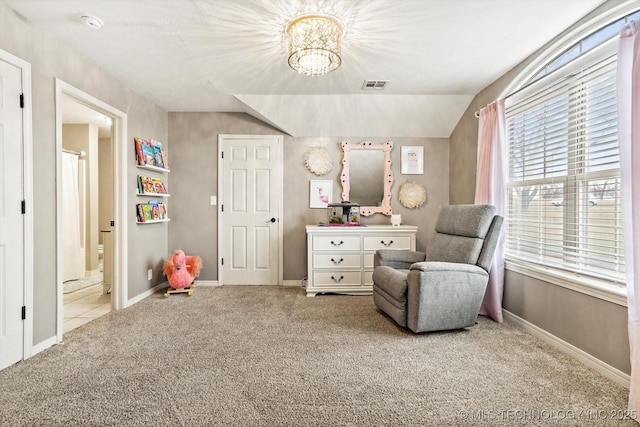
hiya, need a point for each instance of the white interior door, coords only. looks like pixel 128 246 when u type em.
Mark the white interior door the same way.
pixel 11 217
pixel 251 200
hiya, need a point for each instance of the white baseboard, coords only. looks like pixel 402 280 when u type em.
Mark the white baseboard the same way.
pixel 296 283
pixel 598 365
pixel 207 283
pixel 41 346
pixel 146 294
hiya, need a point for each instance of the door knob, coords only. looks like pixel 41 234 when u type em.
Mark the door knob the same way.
pixel 272 220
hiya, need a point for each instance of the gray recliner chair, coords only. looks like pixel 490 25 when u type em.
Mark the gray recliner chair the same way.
pixel 444 288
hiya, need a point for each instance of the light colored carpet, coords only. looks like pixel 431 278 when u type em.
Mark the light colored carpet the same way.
pixel 75 285
pixel 269 356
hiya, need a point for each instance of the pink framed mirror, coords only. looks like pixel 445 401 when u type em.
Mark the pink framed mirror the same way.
pixel 367 177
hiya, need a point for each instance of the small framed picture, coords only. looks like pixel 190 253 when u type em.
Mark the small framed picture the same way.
pixel 320 194
pixel 412 160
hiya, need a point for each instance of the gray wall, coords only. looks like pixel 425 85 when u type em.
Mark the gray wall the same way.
pixel 194 146
pixel 595 326
pixel 49 60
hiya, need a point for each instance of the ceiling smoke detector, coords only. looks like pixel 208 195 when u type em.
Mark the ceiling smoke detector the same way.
pixel 374 84
pixel 92 21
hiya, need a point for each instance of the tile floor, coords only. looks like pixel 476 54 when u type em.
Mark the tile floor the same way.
pixel 83 306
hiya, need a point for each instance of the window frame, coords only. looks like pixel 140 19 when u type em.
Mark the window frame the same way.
pixel 583 283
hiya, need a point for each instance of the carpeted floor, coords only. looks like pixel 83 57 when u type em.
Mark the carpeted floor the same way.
pixel 269 356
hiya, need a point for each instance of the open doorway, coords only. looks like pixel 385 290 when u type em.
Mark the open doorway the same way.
pixel 103 236
pixel 87 210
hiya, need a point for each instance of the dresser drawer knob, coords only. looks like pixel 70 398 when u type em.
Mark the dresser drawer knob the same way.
pixel 337 262
pixel 387 244
pixel 337 244
pixel 337 280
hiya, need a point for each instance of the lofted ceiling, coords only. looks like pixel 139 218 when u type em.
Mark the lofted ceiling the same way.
pixel 231 56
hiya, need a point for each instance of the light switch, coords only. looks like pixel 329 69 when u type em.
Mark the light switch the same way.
pixel 214 200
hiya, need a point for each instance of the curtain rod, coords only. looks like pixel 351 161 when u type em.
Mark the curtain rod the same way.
pixel 77 153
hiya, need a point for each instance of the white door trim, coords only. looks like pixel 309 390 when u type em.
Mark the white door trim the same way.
pixel 27 188
pixel 280 186
pixel 119 131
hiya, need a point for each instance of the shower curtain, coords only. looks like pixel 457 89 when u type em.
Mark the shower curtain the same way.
pixel 73 254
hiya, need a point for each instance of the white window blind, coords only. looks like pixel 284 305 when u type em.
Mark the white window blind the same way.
pixel 564 177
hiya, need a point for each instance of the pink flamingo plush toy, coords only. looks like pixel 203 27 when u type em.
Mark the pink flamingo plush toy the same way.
pixel 182 270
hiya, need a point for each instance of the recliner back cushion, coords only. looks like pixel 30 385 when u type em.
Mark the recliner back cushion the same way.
pixel 465 220
pixel 449 248
pixel 460 233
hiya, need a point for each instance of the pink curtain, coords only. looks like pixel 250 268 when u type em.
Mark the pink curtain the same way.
pixel 491 189
pixel 629 137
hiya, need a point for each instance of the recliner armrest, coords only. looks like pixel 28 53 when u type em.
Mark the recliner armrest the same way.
pixel 440 266
pixel 397 259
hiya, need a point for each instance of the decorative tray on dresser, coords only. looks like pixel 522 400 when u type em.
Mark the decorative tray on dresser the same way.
pixel 340 259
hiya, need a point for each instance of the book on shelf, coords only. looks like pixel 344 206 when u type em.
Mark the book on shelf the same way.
pixel 144 152
pixel 148 185
pixel 159 156
pixel 149 152
pixel 138 144
pixel 151 211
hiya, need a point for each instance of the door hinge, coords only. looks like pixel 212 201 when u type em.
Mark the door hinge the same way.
pixel 221 261
pixel 22 100
pixel 112 223
pixel 24 312
pixel 221 208
pixel 23 207
pixel 222 154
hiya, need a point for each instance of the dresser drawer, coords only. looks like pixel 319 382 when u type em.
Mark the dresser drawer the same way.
pixel 372 243
pixel 336 243
pixel 337 277
pixel 336 260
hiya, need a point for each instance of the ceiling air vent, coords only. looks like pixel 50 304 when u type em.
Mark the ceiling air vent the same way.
pixel 374 84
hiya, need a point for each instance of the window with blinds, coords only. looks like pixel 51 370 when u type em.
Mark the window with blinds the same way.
pixel 563 170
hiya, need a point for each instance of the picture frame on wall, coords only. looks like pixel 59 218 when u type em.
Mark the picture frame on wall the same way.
pixel 320 193
pixel 412 160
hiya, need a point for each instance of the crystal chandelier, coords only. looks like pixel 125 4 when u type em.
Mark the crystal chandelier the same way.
pixel 314 44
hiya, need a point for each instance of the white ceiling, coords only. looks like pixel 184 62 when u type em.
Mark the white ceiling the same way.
pixel 230 56
pixel 75 113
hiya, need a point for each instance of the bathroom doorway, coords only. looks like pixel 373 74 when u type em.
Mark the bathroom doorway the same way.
pixel 101 251
pixel 87 210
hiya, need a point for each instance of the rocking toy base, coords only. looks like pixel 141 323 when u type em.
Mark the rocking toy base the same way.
pixel 188 290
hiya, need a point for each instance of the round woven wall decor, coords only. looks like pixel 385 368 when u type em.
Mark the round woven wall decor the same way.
pixel 318 161
pixel 412 194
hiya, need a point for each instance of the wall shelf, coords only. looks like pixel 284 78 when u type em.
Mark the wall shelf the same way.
pixel 153 221
pixel 153 194
pixel 150 156
pixel 153 168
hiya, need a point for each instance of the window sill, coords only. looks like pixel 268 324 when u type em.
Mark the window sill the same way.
pixel 584 285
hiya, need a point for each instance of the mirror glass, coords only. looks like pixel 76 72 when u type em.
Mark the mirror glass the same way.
pixel 367 177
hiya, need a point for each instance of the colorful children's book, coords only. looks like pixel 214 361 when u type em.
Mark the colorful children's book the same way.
pixel 146 211
pixel 147 153
pixel 139 157
pixel 157 153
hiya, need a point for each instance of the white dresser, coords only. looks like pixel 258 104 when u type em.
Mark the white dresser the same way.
pixel 340 259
